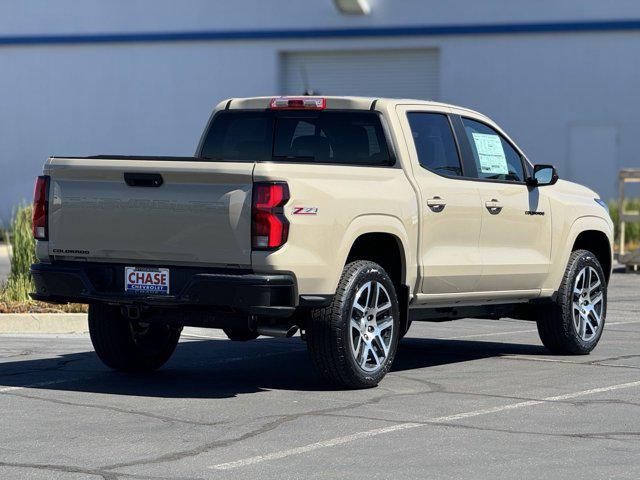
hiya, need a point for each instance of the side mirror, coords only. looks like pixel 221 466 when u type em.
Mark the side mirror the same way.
pixel 543 175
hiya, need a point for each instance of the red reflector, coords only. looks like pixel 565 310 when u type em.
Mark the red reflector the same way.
pixel 270 227
pixel 40 208
pixel 297 103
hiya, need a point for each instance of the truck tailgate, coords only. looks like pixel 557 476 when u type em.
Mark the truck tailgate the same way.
pixel 199 215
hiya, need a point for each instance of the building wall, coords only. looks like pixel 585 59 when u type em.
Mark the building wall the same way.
pixel 139 97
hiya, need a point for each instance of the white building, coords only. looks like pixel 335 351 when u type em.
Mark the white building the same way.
pixel 141 76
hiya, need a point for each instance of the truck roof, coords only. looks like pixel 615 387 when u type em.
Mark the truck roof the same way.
pixel 336 102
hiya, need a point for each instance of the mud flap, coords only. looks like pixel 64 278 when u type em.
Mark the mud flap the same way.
pixel 403 303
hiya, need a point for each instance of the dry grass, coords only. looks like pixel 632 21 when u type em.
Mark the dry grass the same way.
pixel 40 307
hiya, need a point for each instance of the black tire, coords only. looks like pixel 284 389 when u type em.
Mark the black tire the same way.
pixel 556 326
pixel 240 334
pixel 328 331
pixel 130 346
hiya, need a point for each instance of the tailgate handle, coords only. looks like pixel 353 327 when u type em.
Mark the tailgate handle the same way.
pixel 143 179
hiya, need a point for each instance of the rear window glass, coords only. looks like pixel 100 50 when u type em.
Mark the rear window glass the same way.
pixel 239 136
pixel 352 138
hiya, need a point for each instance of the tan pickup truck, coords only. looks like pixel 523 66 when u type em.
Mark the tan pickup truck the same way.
pixel 345 218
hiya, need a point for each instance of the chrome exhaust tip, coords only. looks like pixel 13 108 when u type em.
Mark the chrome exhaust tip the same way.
pixel 277 330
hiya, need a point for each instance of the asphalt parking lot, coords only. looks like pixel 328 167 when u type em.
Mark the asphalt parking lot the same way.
pixel 466 399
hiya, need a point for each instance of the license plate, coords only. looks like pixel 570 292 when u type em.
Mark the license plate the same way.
pixel 146 280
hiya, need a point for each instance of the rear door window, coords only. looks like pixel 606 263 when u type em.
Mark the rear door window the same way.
pixel 434 143
pixel 350 138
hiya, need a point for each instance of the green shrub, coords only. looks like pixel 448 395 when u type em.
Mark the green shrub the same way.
pixel 632 229
pixel 23 246
pixel 19 283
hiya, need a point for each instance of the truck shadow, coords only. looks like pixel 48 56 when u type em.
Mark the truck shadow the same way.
pixel 223 369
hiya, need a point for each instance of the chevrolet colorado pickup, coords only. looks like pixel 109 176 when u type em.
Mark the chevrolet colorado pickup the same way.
pixel 346 218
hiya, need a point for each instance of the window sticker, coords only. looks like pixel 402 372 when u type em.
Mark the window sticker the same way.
pixel 491 153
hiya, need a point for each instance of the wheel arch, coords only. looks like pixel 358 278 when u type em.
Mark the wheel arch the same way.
pixel 370 237
pixel 383 248
pixel 383 240
pixel 597 243
pixel 588 232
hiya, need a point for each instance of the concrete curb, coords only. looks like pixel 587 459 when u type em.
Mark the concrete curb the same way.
pixel 17 323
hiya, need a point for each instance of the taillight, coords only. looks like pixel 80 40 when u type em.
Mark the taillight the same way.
pixel 270 227
pixel 297 103
pixel 40 208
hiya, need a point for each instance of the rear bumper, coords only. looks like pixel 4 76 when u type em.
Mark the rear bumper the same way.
pixel 231 290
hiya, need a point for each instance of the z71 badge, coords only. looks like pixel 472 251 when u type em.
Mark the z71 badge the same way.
pixel 305 210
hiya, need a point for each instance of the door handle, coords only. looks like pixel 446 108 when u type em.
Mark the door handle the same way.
pixel 436 204
pixel 494 206
pixel 143 179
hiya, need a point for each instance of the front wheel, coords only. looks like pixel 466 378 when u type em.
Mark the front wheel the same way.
pixel 353 341
pixel 573 325
pixel 127 345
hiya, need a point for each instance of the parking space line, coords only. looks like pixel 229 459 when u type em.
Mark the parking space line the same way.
pixel 542 359
pixel 531 330
pixel 490 334
pixel 332 442
pixel 622 323
pixel 206 337
pixel 44 384
pixel 409 425
pixel 591 363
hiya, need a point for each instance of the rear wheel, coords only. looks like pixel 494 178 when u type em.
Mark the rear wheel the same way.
pixel 354 340
pixel 574 323
pixel 130 346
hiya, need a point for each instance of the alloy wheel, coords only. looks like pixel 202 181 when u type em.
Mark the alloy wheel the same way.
pixel 371 326
pixel 587 303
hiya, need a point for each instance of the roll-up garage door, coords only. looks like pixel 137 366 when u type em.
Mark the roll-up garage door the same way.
pixel 406 73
